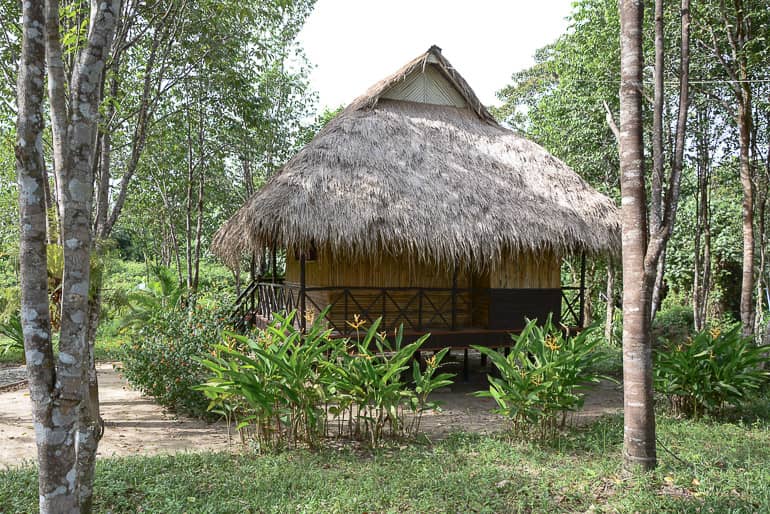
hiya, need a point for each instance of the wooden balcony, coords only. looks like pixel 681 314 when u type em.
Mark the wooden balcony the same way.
pixel 455 317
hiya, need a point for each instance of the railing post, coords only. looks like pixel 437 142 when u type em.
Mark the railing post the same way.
pixel 345 319
pixel 302 320
pixel 273 264
pixel 419 309
pixel 384 296
pixel 582 315
pixel 454 297
pixel 252 301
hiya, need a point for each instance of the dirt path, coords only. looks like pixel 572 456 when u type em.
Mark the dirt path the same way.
pixel 136 425
pixel 133 424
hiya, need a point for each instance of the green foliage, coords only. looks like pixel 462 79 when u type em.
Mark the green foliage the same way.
pixel 282 386
pixel 10 302
pixel 272 386
pixel 162 359
pixel 674 323
pixel 710 371
pixel 158 297
pixel 723 469
pixel 542 377
pixel 369 382
pixel 11 329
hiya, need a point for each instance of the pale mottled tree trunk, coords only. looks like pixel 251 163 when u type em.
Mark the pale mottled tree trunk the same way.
pixel 55 492
pixel 86 88
pixel 66 427
pixel 639 426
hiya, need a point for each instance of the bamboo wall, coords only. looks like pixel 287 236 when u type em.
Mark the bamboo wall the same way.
pixel 527 271
pixel 387 271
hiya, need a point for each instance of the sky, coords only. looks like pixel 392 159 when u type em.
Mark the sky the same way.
pixel 355 43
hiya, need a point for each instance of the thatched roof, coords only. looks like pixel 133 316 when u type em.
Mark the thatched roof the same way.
pixel 444 183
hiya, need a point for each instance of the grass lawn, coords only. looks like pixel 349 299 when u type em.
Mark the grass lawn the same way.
pixel 723 468
pixel 107 349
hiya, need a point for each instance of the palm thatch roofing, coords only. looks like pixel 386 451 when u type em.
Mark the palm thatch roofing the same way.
pixel 444 183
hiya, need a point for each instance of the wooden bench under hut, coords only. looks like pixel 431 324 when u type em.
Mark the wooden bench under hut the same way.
pixel 416 206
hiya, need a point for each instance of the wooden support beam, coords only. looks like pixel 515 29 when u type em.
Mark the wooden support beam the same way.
pixel 302 319
pixel 272 265
pixel 582 315
pixel 466 366
pixel 454 297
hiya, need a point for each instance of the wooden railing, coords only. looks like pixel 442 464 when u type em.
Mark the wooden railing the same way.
pixel 572 306
pixel 416 308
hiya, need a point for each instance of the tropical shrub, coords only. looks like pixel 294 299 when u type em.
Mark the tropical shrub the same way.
pixel 161 295
pixel 543 376
pixel 283 387
pixel 14 335
pixel 161 359
pixel 369 387
pixel 710 371
pixel 673 323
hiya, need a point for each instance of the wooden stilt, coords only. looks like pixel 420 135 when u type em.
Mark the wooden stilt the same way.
pixel 466 368
pixel 272 266
pixel 582 315
pixel 302 319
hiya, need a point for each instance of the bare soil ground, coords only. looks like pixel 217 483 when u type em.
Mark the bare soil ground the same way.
pixel 134 424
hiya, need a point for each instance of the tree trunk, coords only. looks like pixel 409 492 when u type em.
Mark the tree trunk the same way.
pixel 702 259
pixel 639 415
pixel 52 440
pixel 747 277
pixel 105 162
pixel 609 315
pixel 199 203
pixel 57 95
pixel 188 205
pixel 657 286
pixel 74 349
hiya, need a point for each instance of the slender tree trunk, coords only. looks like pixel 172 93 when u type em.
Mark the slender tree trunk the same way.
pixel 51 439
pixel 639 432
pixel 747 277
pixel 172 231
pixel 188 204
pixel 199 204
pixel 658 286
pixel 702 258
pixel 609 315
pixel 57 95
pixel 105 162
pixel 138 139
pixel 74 349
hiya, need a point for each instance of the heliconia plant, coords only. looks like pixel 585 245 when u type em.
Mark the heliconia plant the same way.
pixel 283 387
pixel 542 377
pixel 710 371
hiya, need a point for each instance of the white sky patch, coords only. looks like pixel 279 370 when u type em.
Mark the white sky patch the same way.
pixel 355 43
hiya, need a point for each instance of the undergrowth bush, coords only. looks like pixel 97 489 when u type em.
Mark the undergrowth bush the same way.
pixel 543 376
pixel 282 387
pixel 709 372
pixel 161 359
pixel 676 322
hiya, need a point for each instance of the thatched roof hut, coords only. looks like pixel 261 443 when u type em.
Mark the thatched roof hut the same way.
pixel 415 186
pixel 444 181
